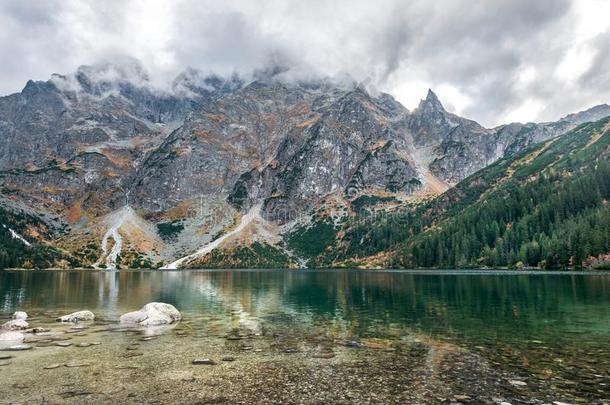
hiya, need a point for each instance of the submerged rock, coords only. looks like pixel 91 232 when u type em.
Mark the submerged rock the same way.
pixel 11 336
pixel 63 344
pixel 79 316
pixel 152 314
pixel 20 315
pixel 209 362
pixel 52 366
pixel 15 324
pixel 17 348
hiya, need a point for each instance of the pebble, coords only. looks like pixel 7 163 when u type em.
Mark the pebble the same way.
pixel 147 338
pixel 233 337
pixel 16 348
pixel 63 344
pixel 5 356
pixel 203 361
pixel 228 358
pixel 83 344
pixel 325 355
pixel 77 364
pixel 4 362
pixel 518 383
pixel 52 366
pixel 132 354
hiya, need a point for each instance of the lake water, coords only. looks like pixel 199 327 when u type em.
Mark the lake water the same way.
pixel 549 331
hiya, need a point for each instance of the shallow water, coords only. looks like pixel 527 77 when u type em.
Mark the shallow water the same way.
pixel 545 326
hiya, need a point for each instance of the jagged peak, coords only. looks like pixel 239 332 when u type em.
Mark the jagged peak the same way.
pixel 431 103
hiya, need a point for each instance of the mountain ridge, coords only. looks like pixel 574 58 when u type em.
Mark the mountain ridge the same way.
pixel 80 147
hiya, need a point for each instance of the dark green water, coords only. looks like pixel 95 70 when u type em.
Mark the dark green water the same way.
pixel 558 322
pixel 475 306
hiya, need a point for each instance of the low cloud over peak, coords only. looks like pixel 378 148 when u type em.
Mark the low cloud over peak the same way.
pixel 491 61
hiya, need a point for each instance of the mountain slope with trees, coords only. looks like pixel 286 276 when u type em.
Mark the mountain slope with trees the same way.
pixel 545 207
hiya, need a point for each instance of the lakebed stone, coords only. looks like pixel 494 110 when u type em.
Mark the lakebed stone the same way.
pixel 63 344
pixel 16 348
pixel 209 362
pixel 11 336
pixel 52 366
pixel 152 314
pixel 79 316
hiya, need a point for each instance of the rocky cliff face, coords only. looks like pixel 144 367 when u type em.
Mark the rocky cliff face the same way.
pixel 191 159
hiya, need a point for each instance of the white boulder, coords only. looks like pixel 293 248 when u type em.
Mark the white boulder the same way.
pixel 15 324
pixel 11 336
pixel 20 315
pixel 79 316
pixel 152 314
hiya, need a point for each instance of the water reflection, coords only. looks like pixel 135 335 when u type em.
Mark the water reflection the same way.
pixel 361 303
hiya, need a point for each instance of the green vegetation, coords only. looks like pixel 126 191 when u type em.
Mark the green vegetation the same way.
pixel 255 256
pixel 14 253
pixel 169 230
pixel 545 207
pixel 312 240
pixel 365 201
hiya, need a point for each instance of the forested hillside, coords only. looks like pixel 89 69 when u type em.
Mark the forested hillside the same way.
pixel 17 250
pixel 545 207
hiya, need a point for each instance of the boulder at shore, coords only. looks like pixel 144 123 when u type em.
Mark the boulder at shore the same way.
pixel 154 313
pixel 20 315
pixel 79 316
pixel 15 324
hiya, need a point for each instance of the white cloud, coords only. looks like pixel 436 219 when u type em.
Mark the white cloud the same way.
pixel 527 112
pixel 486 60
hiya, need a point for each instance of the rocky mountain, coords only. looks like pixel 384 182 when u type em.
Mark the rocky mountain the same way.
pixel 546 207
pixel 125 173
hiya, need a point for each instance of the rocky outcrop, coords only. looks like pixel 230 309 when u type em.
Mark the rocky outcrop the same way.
pixel 152 314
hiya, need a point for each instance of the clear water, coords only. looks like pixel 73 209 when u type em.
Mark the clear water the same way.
pixel 536 324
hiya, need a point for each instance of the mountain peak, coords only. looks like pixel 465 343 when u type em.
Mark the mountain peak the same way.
pixel 431 103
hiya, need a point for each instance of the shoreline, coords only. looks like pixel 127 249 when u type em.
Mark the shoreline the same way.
pixel 481 271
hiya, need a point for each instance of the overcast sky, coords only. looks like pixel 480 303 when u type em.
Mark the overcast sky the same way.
pixel 492 61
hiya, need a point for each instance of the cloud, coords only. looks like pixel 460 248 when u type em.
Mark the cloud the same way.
pixel 489 60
